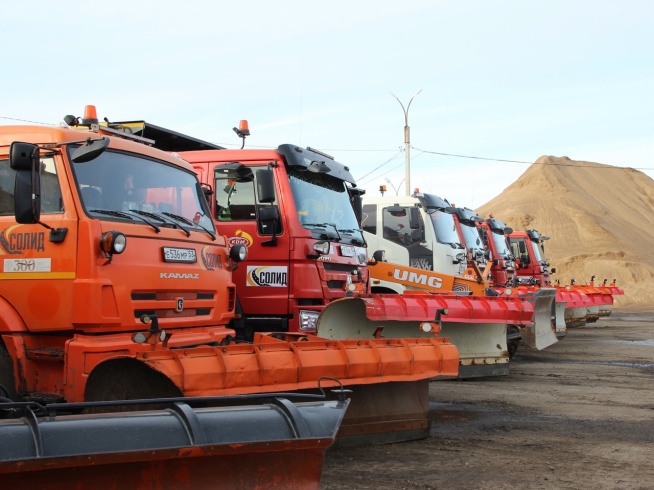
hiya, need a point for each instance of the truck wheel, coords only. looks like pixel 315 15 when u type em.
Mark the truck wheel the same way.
pixel 512 342
pixel 240 325
pixel 7 382
pixel 128 379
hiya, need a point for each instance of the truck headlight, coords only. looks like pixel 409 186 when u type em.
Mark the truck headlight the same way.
pixel 238 253
pixel 113 242
pixel 308 320
pixel 321 247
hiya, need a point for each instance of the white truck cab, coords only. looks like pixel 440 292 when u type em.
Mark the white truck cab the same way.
pixel 416 231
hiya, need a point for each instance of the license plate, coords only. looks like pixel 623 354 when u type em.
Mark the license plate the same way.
pixel 179 255
pixel 348 251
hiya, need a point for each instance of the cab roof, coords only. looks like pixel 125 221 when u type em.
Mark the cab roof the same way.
pixel 48 135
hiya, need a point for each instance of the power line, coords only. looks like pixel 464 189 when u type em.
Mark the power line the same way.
pixel 468 156
pixel 26 121
pixel 529 163
pixel 380 166
pixel 396 155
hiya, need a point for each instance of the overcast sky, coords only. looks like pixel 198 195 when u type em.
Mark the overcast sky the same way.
pixel 504 80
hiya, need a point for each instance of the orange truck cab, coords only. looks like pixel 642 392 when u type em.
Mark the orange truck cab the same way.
pixel 110 264
pixel 298 212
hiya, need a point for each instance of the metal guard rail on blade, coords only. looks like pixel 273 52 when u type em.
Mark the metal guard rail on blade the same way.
pixel 290 362
pixel 417 305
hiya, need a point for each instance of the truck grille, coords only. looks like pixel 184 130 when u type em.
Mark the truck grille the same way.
pixel 166 304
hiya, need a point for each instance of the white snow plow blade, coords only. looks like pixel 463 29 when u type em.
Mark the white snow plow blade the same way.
pixel 540 333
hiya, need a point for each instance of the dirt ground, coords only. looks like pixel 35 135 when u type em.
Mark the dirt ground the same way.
pixel 577 415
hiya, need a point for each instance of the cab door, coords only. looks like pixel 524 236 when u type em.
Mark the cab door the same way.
pixel 38 266
pixel 262 281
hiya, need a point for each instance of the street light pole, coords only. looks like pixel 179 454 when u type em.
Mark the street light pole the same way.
pixel 396 189
pixel 407 142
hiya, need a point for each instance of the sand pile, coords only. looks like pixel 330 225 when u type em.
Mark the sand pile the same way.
pixel 600 220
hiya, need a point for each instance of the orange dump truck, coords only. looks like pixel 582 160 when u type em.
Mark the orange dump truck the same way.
pixel 115 286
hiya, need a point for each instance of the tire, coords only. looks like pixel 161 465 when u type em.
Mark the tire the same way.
pixel 7 380
pixel 512 345
pixel 128 379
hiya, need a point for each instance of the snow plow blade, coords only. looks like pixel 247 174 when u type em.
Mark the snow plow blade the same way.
pixel 476 325
pixel 275 443
pixel 575 306
pixel 540 333
pixel 559 316
pixel 593 301
pixel 388 378
pixel 608 292
pixel 588 303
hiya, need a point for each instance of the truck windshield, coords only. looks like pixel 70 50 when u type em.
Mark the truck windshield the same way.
pixel 536 249
pixel 128 187
pixel 500 243
pixel 444 227
pixel 471 237
pixel 323 205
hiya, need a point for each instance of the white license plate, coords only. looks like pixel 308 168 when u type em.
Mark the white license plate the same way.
pixel 348 251
pixel 179 255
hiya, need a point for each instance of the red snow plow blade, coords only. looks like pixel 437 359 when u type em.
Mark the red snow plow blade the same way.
pixel 608 293
pixel 275 443
pixel 587 303
pixel 575 306
pixel 476 325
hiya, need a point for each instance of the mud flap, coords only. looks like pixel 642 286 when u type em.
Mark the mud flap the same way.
pixel 540 334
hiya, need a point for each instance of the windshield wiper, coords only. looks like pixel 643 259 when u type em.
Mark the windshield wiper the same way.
pixel 353 239
pixel 163 219
pixel 326 235
pixel 121 214
pixel 188 222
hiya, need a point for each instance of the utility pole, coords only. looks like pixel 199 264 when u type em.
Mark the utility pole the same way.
pixel 407 142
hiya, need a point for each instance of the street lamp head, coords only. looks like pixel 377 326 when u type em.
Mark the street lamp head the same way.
pixel 407 143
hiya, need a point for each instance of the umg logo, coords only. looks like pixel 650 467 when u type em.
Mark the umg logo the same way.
pixel 416 278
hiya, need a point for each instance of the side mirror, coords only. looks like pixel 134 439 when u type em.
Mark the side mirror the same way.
pixel 269 216
pixel 24 156
pixel 265 186
pixel 25 159
pixel 268 213
pixel 89 151
pixel 414 218
pixel 396 211
pixel 357 205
